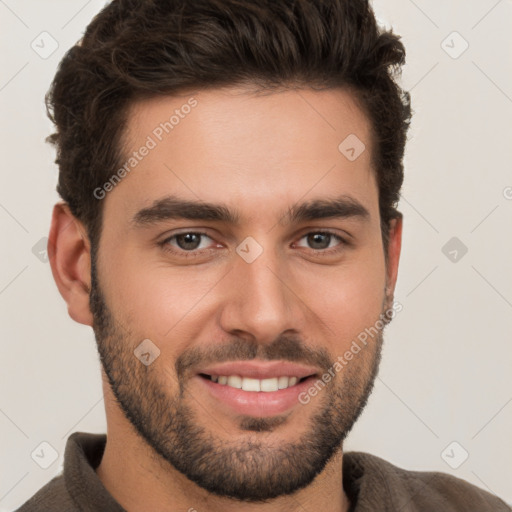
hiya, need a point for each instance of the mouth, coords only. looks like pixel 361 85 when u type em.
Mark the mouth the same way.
pixel 256 388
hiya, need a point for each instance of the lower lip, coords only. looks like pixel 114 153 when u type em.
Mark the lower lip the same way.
pixel 256 403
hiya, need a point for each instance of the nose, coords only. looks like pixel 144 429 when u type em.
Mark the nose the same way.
pixel 259 299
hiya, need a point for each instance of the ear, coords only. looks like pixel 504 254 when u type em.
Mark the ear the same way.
pixel 70 260
pixel 394 249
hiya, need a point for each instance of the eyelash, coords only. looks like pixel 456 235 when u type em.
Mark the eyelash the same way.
pixel 196 253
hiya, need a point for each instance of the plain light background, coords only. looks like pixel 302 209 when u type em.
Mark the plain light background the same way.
pixel 446 370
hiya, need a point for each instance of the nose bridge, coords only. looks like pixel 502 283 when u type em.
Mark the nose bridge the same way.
pixel 259 300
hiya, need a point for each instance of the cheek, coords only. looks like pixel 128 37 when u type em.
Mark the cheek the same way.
pixel 155 300
pixel 347 298
pixel 171 305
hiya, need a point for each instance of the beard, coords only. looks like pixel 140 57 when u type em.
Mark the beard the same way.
pixel 249 470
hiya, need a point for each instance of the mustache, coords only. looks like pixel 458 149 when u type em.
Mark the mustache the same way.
pixel 284 348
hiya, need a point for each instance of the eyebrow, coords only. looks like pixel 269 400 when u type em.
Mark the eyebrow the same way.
pixel 172 207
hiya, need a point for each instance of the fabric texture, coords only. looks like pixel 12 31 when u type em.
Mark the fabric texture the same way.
pixel 372 484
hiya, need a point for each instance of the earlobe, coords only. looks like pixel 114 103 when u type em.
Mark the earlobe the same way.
pixel 70 260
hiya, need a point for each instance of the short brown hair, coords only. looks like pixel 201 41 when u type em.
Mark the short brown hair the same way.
pixel 135 49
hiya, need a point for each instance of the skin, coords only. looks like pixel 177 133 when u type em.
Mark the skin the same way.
pixel 259 154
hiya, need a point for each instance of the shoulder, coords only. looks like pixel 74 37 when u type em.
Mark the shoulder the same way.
pixel 50 497
pixel 418 490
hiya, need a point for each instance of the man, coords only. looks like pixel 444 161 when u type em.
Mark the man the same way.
pixel 230 172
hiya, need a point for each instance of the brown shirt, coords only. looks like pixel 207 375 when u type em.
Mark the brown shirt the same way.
pixel 372 484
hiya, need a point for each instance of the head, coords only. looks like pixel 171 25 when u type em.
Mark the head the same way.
pixel 230 172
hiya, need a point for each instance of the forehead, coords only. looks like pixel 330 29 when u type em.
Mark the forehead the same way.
pixel 258 151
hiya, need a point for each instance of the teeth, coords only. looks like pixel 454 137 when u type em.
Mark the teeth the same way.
pixel 269 384
pixel 249 384
pixel 235 381
pixel 282 382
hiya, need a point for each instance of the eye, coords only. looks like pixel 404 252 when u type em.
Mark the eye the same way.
pixel 190 244
pixel 321 240
pixel 187 244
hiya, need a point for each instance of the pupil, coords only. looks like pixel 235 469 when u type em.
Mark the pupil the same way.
pixel 317 237
pixel 188 239
pixel 191 240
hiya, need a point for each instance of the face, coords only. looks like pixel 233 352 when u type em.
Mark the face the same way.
pixel 264 284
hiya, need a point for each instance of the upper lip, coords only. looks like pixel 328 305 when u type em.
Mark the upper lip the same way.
pixel 260 370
